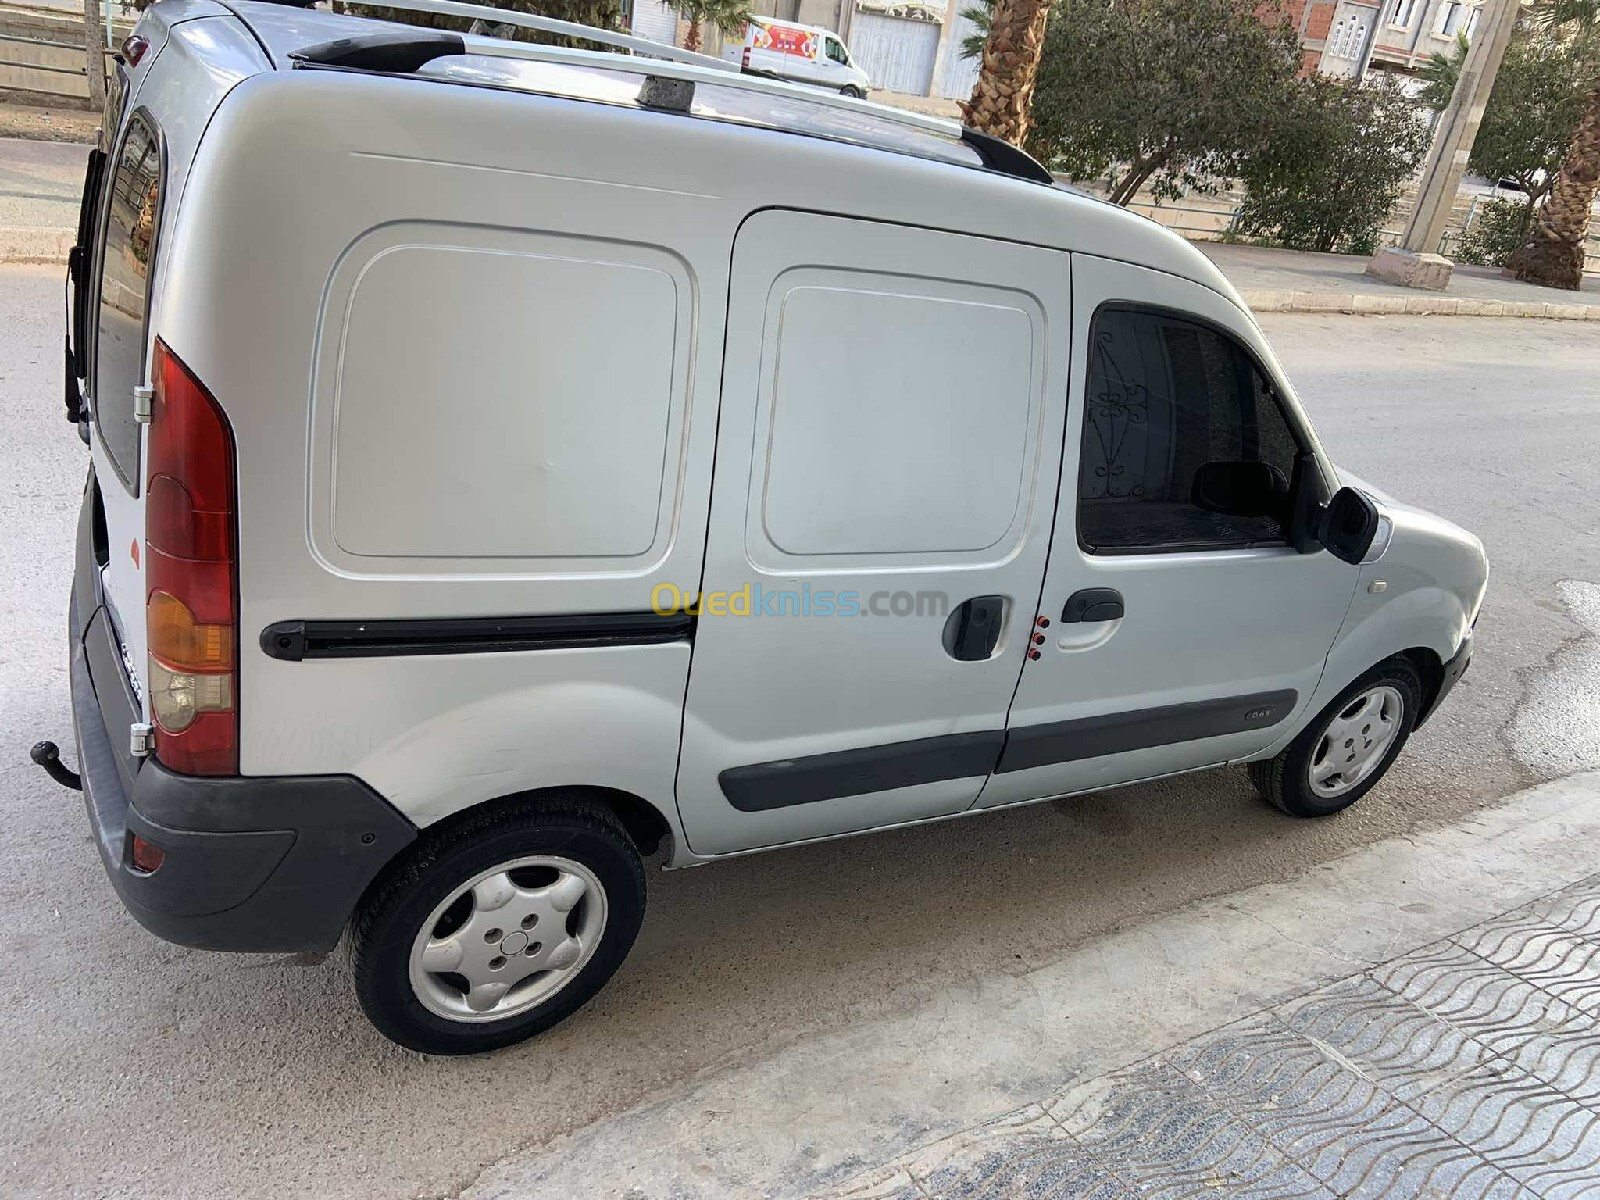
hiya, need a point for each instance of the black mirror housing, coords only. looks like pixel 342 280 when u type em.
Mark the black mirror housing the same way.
pixel 1348 525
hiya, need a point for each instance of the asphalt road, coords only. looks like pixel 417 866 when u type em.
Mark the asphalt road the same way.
pixel 132 1067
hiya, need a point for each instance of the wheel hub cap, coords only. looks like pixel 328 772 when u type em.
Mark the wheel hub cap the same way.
pixel 508 939
pixel 1356 740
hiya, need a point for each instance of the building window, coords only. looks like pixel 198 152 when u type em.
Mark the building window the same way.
pixel 1346 38
pixel 1405 12
pixel 1456 17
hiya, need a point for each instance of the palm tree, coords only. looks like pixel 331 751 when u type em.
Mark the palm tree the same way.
pixel 981 17
pixel 1554 252
pixel 727 15
pixel 1004 92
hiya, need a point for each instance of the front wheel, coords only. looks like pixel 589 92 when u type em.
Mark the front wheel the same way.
pixel 1350 745
pixel 853 92
pixel 495 928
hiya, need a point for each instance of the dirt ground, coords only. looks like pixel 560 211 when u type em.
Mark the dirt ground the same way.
pixel 27 115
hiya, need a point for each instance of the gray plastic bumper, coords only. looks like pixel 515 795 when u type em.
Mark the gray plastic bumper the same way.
pixel 263 864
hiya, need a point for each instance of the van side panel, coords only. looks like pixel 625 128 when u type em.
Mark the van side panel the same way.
pixel 328 169
pixel 488 398
pixel 460 390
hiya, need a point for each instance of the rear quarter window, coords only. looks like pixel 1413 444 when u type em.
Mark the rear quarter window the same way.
pixel 128 253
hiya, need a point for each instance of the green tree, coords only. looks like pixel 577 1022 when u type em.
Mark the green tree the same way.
pixel 1440 73
pixel 1338 158
pixel 981 15
pixel 728 16
pixel 1173 93
pixel 1537 102
pixel 1557 237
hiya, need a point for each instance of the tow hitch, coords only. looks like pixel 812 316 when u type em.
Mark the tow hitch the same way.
pixel 48 756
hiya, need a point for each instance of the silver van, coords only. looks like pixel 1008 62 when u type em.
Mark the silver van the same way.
pixel 510 463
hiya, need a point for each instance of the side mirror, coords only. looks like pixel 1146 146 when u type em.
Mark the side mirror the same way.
pixel 1241 489
pixel 1348 525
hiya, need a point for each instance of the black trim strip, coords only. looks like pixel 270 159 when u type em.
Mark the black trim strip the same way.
pixel 386 51
pixel 1118 733
pixel 293 641
pixel 762 787
pixel 765 786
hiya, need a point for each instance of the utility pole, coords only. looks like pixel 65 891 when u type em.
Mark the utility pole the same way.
pixel 94 54
pixel 1416 262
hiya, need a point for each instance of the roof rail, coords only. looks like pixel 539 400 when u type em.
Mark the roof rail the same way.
pixel 395 52
pixel 572 29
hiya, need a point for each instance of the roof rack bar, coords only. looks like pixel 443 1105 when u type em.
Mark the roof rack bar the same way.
pixel 672 64
pixel 724 77
pixel 588 33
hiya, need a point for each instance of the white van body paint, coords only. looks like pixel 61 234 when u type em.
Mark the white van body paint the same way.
pixel 476 347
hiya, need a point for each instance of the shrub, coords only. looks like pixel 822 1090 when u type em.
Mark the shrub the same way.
pixel 1497 233
pixel 1337 159
pixel 1166 93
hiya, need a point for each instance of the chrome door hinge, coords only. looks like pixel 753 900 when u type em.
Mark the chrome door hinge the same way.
pixel 141 739
pixel 141 404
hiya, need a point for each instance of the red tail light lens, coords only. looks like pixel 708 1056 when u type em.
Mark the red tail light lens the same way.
pixel 191 574
pixel 133 48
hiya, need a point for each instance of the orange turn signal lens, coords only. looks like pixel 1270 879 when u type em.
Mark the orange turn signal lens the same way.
pixel 181 642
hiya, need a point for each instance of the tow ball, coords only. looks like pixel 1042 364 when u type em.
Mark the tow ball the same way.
pixel 48 756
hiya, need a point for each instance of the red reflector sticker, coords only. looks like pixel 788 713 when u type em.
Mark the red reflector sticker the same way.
pixel 145 856
pixel 133 551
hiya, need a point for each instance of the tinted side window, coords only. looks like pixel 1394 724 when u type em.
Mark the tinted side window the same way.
pixel 1165 397
pixel 126 258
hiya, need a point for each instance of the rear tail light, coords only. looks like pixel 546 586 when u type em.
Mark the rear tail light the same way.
pixel 744 59
pixel 133 48
pixel 191 574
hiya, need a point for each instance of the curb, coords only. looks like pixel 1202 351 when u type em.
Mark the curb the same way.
pixel 28 245
pixel 1429 306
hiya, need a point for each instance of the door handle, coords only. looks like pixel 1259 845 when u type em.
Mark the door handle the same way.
pixel 1093 604
pixel 973 630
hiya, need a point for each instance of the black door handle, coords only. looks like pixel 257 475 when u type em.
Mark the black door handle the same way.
pixel 1093 604
pixel 973 629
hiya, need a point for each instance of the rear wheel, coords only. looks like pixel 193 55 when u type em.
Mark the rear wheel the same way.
pixel 1349 747
pixel 494 929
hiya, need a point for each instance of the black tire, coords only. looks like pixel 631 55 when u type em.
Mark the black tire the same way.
pixel 1285 781
pixel 853 92
pixel 391 915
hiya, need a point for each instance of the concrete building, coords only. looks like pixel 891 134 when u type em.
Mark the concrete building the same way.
pixel 1338 36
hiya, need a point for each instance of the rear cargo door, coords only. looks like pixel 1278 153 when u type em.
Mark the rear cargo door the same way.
pixel 118 328
pixel 886 469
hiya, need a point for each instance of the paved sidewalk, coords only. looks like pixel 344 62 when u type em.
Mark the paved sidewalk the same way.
pixel 1469 1069
pixel 1420 1018
pixel 40 185
pixel 1291 281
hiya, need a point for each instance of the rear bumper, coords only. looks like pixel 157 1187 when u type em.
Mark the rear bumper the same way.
pixel 263 864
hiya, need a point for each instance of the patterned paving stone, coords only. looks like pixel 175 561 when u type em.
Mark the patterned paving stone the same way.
pixel 1469 1069
pixel 1025 1156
